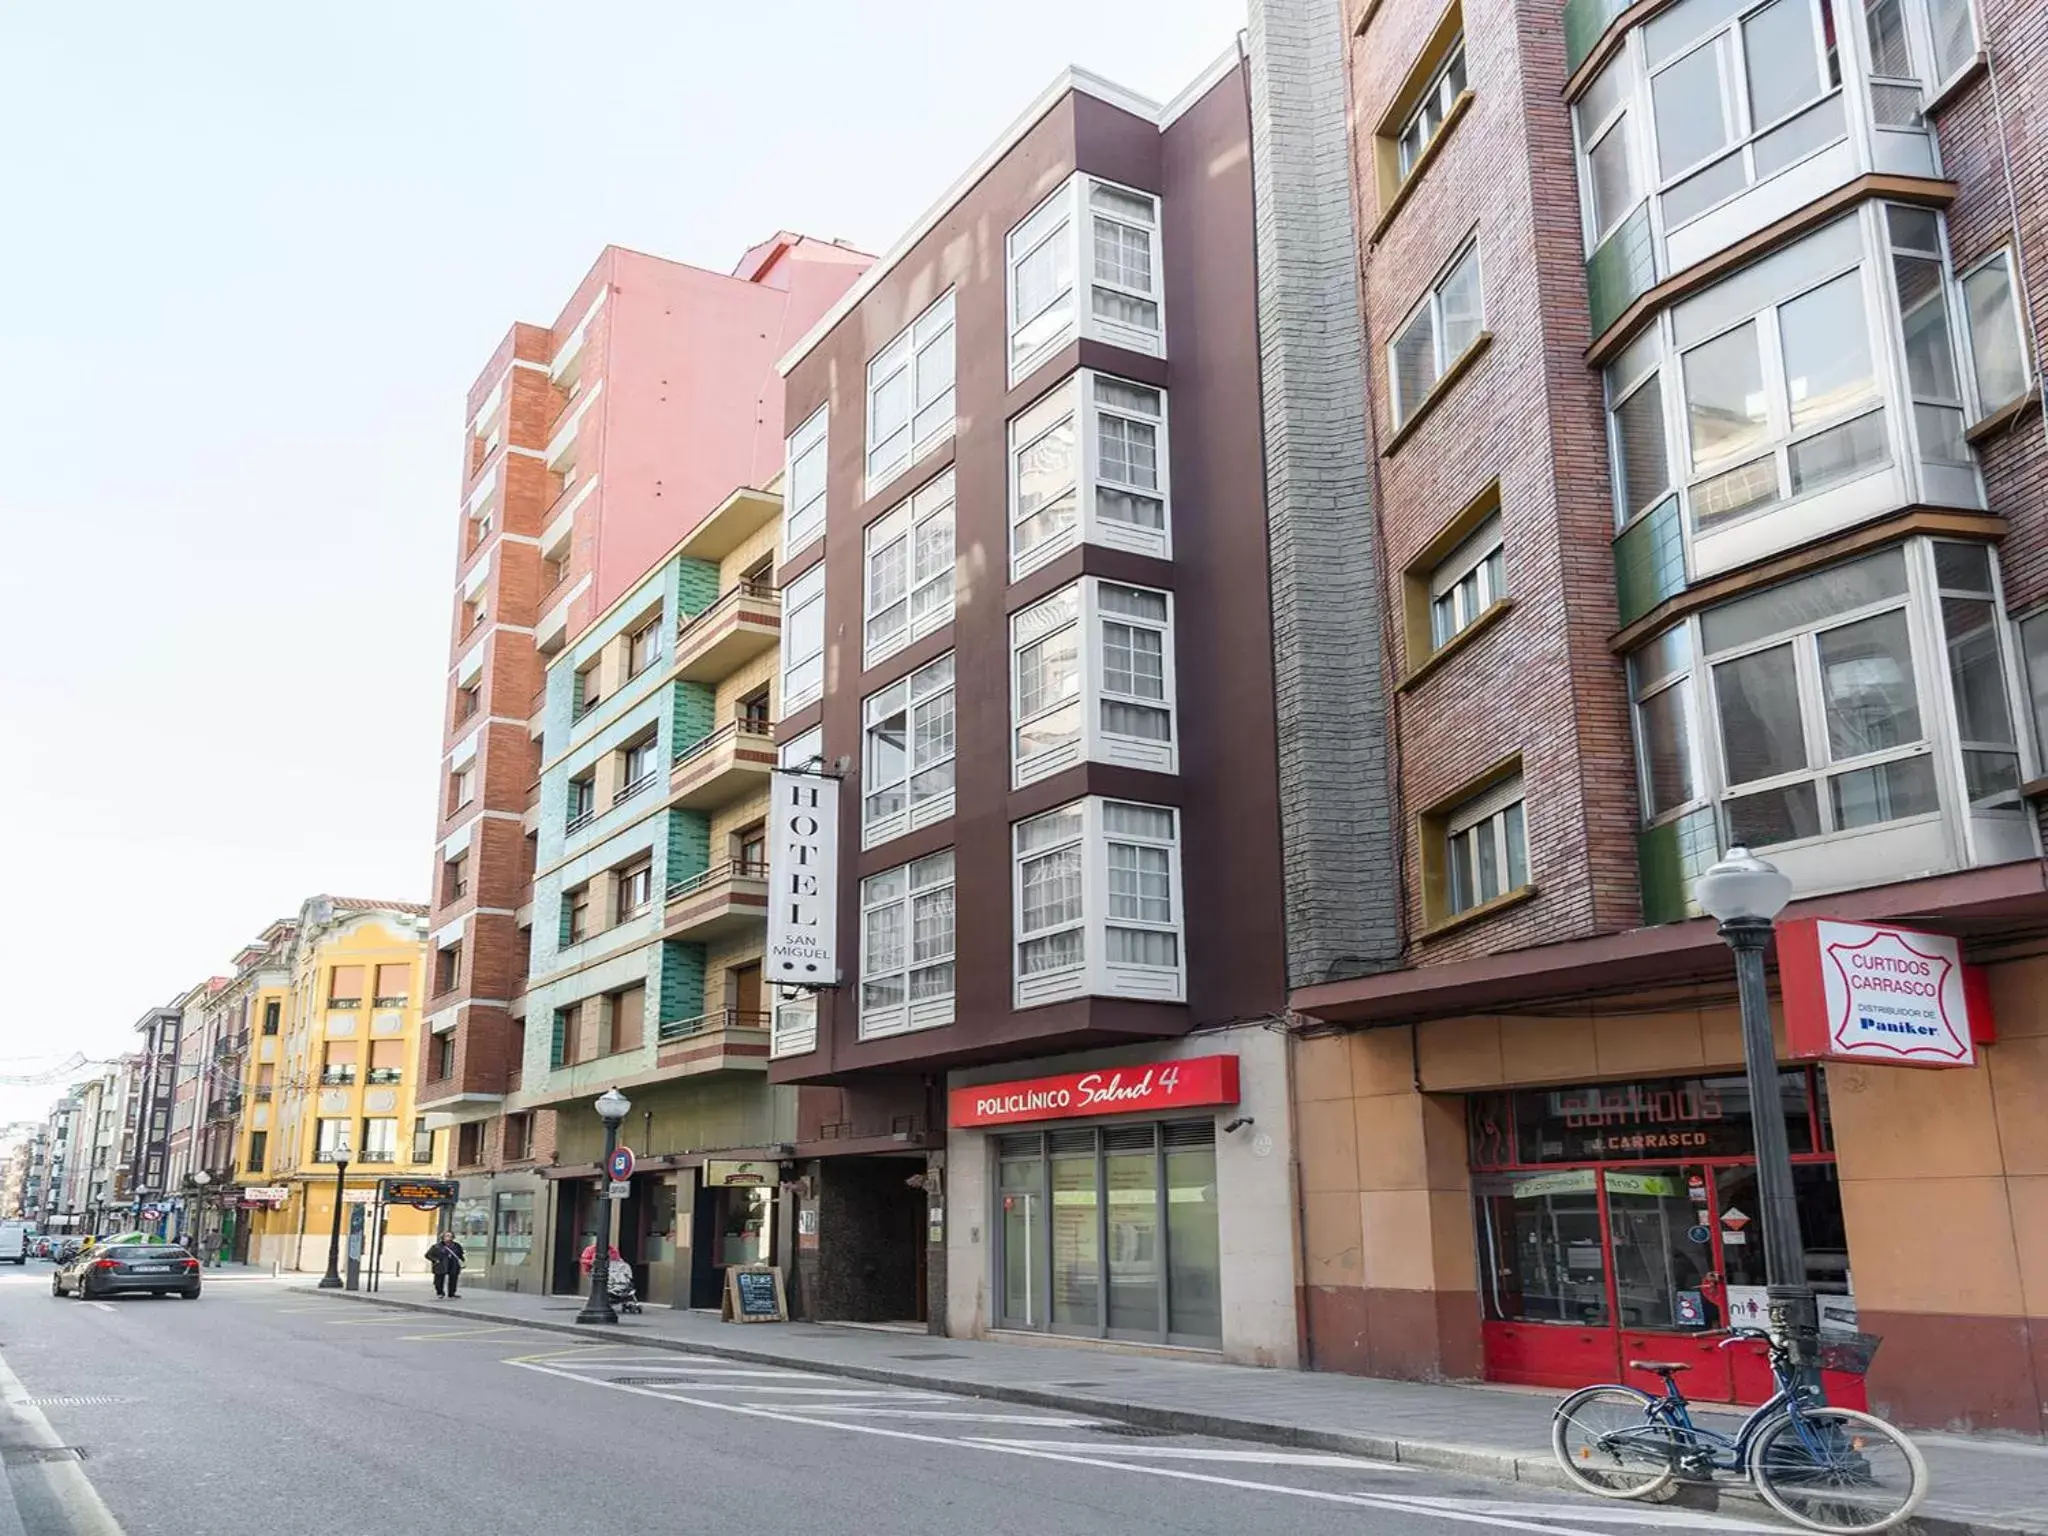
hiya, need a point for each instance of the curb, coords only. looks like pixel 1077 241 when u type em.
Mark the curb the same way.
pixel 1475 1461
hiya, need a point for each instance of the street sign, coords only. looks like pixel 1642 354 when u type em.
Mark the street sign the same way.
pixel 618 1189
pixel 426 1194
pixel 620 1163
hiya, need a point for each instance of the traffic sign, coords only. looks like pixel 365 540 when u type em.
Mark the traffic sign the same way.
pixel 618 1189
pixel 620 1164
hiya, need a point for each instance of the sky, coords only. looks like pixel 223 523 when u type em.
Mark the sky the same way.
pixel 254 254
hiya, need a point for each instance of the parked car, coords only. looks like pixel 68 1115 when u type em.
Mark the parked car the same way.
pixel 42 1248
pixel 122 1268
pixel 15 1237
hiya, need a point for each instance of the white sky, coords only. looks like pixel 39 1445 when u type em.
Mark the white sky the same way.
pixel 254 255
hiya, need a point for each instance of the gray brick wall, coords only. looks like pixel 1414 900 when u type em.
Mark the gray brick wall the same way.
pixel 1336 799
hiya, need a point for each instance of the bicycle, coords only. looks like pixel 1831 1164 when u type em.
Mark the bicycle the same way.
pixel 1824 1468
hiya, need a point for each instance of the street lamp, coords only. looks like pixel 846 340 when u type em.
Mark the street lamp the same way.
pixel 612 1108
pixel 200 1179
pixel 331 1281
pixel 1746 894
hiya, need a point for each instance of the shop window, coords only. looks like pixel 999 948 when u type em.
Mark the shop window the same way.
pixel 906 954
pixel 907 754
pixel 1998 351
pixel 910 394
pixel 512 1225
pixel 909 582
pixel 1110 234
pixel 803 517
pixel 1440 330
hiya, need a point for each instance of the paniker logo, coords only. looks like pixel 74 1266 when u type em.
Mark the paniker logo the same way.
pixel 1201 1081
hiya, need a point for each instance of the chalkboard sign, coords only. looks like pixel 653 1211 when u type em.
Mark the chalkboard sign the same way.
pixel 753 1294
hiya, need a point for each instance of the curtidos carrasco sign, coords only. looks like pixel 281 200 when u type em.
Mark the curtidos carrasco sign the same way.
pixel 1168 1085
pixel 1874 993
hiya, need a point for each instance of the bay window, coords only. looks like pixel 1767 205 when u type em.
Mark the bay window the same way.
pixel 1660 680
pixel 803 640
pixel 1931 374
pixel 1998 353
pixel 1446 322
pixel 1611 184
pixel 1635 427
pixel 910 394
pixel 907 754
pixel 906 948
pixel 1971 627
pixel 1092 679
pixel 909 571
pixel 1088 463
pixel 1107 231
pixel 1954 27
pixel 803 484
pixel 1097 900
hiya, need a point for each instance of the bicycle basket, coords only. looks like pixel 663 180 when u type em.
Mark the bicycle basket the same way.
pixel 1848 1352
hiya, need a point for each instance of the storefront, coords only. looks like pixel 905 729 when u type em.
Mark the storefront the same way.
pixel 1097 1201
pixel 1621 1221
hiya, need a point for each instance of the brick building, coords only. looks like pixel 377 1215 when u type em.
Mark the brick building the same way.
pixel 1708 469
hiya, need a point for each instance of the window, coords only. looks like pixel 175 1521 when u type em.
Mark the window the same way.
pixel 576 915
pixel 910 394
pixel 1955 37
pixel 1931 373
pixel 461 786
pixel 1129 461
pixel 751 710
pixel 803 640
pixel 1736 99
pixel 1129 945
pixel 635 888
pixel 806 751
pixel 259 1150
pixel 1122 262
pixel 637 766
pixel 469 1144
pixel 1120 708
pixel 1610 186
pixel 1470 580
pixel 330 1137
pixel 1428 118
pixel 455 878
pixel 1998 353
pixel 474 612
pixel 1785 402
pixel 2034 654
pixel 909 583
pixel 1660 679
pixel 750 849
pixel 906 948
pixel 518 1138
pixel 588 686
pixel 380 1141
pixel 387 1061
pixel 345 987
pixel 1089 461
pixel 394 984
pixel 1485 852
pixel 1971 628
pixel 272 1014
pixel 1045 480
pixel 643 649
pixel 468 700
pixel 1635 427
pixel 1448 320
pixel 624 1018
pixel 803 486
pixel 582 802
pixel 907 754
pixel 338 1063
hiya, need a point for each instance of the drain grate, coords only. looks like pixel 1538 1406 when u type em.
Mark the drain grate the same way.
pixel 937 1354
pixel 76 1402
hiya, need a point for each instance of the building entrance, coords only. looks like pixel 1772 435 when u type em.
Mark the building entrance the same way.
pixel 1620 1221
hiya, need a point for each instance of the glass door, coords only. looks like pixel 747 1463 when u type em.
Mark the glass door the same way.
pixel 1545 1306
pixel 1022 1263
pixel 1076 1234
pixel 1130 1171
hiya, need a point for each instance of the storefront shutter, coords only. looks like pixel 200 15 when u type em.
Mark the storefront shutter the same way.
pixel 1182 1134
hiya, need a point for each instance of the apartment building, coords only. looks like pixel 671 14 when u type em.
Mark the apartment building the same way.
pixel 1028 647
pixel 158 1032
pixel 1709 465
pixel 591 445
pixel 346 1074
pixel 259 993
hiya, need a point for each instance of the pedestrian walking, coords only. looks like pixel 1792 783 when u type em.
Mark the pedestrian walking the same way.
pixel 446 1256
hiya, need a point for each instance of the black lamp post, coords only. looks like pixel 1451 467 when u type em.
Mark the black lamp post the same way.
pixel 612 1108
pixel 1746 894
pixel 331 1281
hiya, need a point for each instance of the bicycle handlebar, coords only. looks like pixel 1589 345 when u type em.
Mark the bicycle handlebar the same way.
pixel 1738 1335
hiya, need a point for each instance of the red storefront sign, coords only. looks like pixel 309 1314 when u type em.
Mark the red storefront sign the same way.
pixel 1871 992
pixel 1202 1082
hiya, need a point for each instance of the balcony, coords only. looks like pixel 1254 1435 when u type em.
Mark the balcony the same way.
pixel 732 761
pixel 745 622
pixel 638 787
pixel 724 900
pixel 338 1077
pixel 262 1095
pixel 386 1075
pixel 377 1156
pixel 224 1106
pixel 724 1040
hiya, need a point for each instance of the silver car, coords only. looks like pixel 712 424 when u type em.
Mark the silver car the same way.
pixel 122 1268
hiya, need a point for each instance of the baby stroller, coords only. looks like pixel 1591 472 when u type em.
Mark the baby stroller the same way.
pixel 618 1285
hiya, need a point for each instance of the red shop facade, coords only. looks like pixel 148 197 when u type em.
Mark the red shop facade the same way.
pixel 1621 1221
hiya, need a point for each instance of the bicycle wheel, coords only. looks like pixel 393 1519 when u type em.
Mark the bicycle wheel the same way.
pixel 1608 1444
pixel 1834 1469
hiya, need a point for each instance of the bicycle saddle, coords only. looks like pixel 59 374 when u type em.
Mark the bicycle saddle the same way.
pixel 1659 1367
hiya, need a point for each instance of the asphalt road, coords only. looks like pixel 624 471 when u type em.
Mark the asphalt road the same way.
pixel 259 1410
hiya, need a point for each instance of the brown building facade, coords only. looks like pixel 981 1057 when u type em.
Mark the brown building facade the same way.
pixel 1709 464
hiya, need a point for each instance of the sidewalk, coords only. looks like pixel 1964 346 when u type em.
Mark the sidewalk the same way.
pixel 1985 1486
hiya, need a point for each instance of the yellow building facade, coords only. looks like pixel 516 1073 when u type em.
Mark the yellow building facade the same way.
pixel 339 1073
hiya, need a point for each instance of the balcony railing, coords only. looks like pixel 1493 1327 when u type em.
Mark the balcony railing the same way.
pixel 344 1002
pixel 579 821
pixel 738 869
pixel 386 1075
pixel 398 1001
pixel 377 1155
pixel 753 730
pixel 262 1095
pixel 718 1018
pixel 728 599
pixel 337 1077
pixel 639 786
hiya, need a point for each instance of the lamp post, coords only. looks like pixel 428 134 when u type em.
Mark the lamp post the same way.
pixel 1745 894
pixel 200 1179
pixel 612 1108
pixel 331 1281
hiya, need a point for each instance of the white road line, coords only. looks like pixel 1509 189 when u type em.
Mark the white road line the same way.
pixel 712 1372
pixel 1615 1514
pixel 1319 1495
pixel 104 1306
pixel 1259 1457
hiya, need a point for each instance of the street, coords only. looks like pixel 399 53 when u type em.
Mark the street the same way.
pixel 260 1408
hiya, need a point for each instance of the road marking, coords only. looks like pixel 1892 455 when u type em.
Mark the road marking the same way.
pixel 711 1372
pixel 55 1484
pixel 1324 1496
pixel 864 1410
pixel 699 1386
pixel 1616 1514
pixel 373 1322
pixel 463 1333
pixel 104 1306
pixel 1262 1458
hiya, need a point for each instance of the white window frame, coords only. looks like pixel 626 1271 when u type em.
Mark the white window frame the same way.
pixel 927 418
pixel 803 522
pixel 803 676
pixel 1589 133
pixel 1966 332
pixel 635 888
pixel 1078 608
pixel 636 663
pixel 904 889
pixel 921 699
pixel 1431 307
pixel 1467 582
pixel 919 532
pixel 1073 306
pixel 1085 405
pixel 1497 815
pixel 1085 832
pixel 1438 99
pixel 465 784
pixel 641 754
pixel 804 751
pixel 1678 678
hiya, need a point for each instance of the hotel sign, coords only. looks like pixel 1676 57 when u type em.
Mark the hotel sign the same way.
pixel 1874 993
pixel 1203 1082
pixel 803 880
